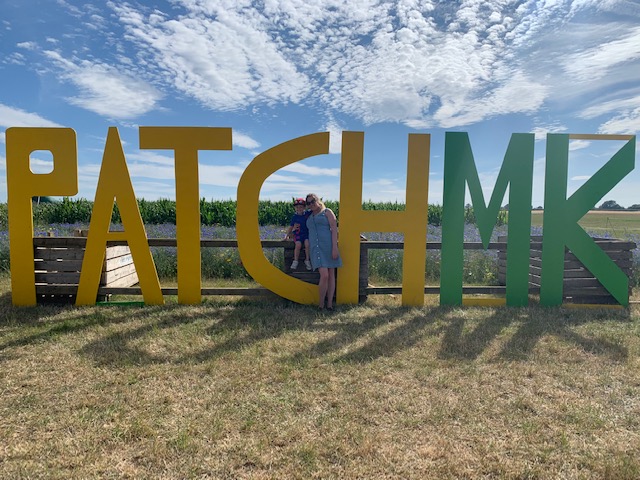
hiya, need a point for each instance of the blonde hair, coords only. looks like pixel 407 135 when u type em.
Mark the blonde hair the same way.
pixel 316 198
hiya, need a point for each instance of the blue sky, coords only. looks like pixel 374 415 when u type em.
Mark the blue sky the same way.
pixel 277 69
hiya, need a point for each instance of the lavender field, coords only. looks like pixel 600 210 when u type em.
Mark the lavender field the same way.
pixel 480 267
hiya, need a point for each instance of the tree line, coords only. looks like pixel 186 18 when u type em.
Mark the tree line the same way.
pixel 613 205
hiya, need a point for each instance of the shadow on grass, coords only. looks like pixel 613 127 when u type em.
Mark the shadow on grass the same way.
pixel 354 334
pixel 50 322
pixel 245 323
pixel 530 324
pixel 408 327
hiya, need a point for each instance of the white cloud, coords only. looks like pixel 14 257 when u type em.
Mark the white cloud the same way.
pixel 378 61
pixel 311 171
pixel 40 166
pixel 625 123
pixel 152 158
pixel 595 62
pixel 15 117
pixel 516 94
pixel 226 61
pixel 27 45
pixel 154 190
pixel 105 90
pixel 244 141
pixel 220 175
pixel 148 165
pixel 578 144
pixel 385 190
pixel 335 136
pixel 629 100
pixel 277 190
pixel 541 131
pixel 419 63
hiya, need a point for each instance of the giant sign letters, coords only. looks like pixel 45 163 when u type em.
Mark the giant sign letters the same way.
pixel 561 214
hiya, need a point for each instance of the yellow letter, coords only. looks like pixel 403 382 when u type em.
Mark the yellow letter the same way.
pixel 186 141
pixel 22 184
pixel 247 228
pixel 413 221
pixel 114 184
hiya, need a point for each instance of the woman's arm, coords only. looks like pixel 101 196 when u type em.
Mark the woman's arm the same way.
pixel 333 226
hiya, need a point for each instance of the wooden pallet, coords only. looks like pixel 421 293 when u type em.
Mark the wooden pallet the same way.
pixel 58 262
pixel 579 284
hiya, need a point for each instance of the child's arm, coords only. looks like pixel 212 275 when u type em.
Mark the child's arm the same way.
pixel 286 235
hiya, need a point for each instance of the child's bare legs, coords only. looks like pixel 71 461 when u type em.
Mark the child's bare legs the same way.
pixel 307 262
pixel 296 255
pixel 306 249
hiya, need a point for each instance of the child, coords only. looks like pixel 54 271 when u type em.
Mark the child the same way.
pixel 298 229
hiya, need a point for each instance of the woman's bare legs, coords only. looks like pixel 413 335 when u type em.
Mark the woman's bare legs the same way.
pixel 331 286
pixel 323 285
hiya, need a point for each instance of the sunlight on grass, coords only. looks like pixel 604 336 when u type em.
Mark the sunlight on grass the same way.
pixel 248 388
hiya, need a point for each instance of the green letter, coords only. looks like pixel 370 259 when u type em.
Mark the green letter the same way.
pixel 561 216
pixel 516 170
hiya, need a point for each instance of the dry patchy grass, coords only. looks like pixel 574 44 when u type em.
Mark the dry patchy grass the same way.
pixel 243 389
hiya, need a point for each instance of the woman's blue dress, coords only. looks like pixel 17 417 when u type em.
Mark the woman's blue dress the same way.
pixel 320 242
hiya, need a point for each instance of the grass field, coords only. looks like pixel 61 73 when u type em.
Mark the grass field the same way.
pixel 248 389
pixel 620 224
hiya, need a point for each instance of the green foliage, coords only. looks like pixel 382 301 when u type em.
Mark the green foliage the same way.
pixel 222 263
pixel 165 260
pixel 470 216
pixel 274 213
pixel 212 212
pixel 480 268
pixel 386 265
pixel 4 252
pixel 216 263
pixel 158 211
pixel 43 200
pixel 68 211
pixel 4 217
pixel 218 212
pixel 390 206
pixel 435 215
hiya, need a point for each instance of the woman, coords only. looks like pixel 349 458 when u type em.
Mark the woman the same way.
pixel 323 240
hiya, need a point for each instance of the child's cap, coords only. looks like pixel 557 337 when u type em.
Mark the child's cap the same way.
pixel 299 201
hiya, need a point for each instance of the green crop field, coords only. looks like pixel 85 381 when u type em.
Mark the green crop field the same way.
pixel 619 224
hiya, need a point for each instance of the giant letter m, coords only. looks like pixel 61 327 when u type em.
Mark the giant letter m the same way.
pixel 460 170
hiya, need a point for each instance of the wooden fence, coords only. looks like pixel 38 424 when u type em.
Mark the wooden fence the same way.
pixel 59 259
pixel 579 284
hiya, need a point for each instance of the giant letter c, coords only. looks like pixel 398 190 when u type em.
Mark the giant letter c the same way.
pixel 248 232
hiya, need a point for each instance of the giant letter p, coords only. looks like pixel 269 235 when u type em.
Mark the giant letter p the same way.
pixel 23 184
